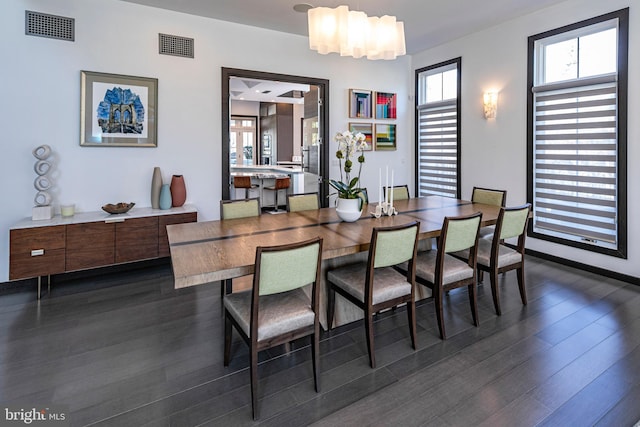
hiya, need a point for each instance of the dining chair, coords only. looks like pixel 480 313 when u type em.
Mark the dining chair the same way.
pixel 376 285
pixel 277 310
pixel 488 196
pixel 279 184
pixel 239 208
pixel 303 202
pixel 244 182
pixel 442 272
pixel 233 209
pixel 495 257
pixel 400 192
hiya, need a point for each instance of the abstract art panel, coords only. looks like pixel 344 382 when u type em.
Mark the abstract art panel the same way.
pixel 385 137
pixel 386 105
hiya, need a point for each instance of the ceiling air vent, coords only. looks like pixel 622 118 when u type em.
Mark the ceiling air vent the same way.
pixel 175 45
pixel 50 26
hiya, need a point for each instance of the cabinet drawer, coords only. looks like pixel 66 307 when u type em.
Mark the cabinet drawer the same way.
pixel 37 251
pixel 137 239
pixel 163 221
pixel 23 266
pixel 90 245
pixel 24 240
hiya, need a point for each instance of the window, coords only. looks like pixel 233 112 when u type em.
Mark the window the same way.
pixel 438 129
pixel 577 116
pixel 242 140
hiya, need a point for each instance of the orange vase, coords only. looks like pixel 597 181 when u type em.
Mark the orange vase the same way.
pixel 178 191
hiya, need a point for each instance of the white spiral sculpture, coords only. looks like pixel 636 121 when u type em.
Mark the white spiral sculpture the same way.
pixel 42 183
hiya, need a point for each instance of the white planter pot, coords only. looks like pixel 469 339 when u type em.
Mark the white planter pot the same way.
pixel 348 210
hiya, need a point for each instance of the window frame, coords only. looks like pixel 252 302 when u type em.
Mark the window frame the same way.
pixel 622 16
pixel 458 66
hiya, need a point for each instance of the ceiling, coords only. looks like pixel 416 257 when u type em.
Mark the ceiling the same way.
pixel 427 23
pixel 243 89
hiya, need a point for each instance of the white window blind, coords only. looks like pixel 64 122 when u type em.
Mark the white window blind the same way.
pixel 438 148
pixel 575 160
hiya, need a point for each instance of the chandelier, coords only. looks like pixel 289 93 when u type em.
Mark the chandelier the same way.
pixel 353 33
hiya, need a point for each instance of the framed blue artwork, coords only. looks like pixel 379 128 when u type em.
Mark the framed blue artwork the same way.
pixel 118 110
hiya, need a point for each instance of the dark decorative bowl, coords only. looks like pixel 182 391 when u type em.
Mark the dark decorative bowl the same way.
pixel 118 208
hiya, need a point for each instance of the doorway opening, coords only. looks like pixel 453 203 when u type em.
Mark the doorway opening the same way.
pixel 261 149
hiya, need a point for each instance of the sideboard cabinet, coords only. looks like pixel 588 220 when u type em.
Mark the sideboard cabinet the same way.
pixel 90 240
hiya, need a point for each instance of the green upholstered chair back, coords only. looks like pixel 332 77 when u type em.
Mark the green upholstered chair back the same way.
pixel 282 270
pixel 462 233
pixel 400 192
pixel 303 202
pixel 243 208
pixel 488 196
pixel 395 246
pixel 514 221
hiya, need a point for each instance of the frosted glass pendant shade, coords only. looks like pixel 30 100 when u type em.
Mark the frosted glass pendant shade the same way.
pixel 353 33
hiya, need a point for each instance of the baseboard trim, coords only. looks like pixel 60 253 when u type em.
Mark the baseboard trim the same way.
pixel 586 267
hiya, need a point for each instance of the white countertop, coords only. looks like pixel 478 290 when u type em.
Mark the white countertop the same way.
pixel 265 169
pixel 83 217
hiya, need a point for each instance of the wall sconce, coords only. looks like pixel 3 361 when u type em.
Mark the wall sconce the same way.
pixel 490 105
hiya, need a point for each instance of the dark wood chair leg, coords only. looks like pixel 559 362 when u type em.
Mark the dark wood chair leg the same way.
pixel 227 339
pixel 411 313
pixel 480 276
pixel 369 329
pixel 495 292
pixel 523 289
pixel 254 382
pixel 226 287
pixel 331 300
pixel 315 350
pixel 473 302
pixel 439 313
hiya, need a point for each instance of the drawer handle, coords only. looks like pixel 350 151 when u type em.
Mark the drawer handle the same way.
pixel 107 221
pixel 37 252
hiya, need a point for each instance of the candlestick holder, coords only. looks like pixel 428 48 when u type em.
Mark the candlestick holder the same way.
pixel 384 209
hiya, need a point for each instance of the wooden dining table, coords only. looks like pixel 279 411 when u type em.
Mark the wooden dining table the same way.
pixel 212 251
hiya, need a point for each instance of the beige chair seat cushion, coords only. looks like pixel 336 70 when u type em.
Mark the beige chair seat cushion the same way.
pixel 454 269
pixel 387 282
pixel 278 314
pixel 506 255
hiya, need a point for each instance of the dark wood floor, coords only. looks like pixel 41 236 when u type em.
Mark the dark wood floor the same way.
pixel 129 350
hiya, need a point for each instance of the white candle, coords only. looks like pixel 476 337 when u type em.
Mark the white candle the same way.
pixel 386 187
pixel 380 186
pixel 391 190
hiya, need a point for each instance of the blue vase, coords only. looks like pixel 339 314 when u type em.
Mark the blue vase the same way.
pixel 165 197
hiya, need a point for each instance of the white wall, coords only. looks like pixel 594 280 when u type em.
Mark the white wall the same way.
pixel 42 96
pixel 494 152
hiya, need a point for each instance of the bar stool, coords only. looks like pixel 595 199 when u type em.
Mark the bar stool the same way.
pixel 244 182
pixel 280 184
